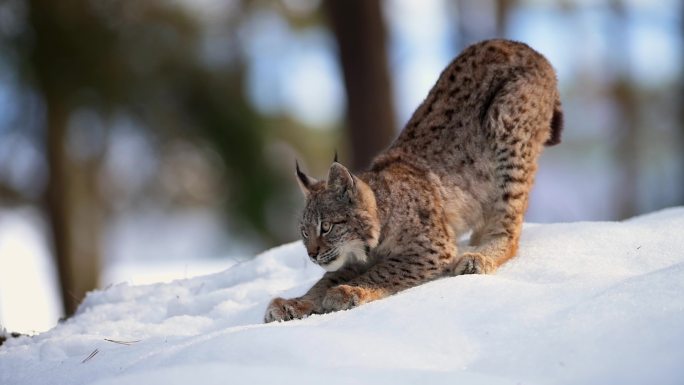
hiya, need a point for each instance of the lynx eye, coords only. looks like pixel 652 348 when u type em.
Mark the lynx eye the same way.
pixel 305 234
pixel 326 227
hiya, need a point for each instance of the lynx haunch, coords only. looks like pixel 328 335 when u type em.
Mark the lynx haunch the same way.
pixel 465 161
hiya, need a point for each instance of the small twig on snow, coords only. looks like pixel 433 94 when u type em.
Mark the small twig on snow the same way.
pixel 127 343
pixel 90 356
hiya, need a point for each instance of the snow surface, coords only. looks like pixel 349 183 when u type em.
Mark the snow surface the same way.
pixel 582 303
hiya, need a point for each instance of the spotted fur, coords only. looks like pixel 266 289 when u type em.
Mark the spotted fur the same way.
pixel 465 161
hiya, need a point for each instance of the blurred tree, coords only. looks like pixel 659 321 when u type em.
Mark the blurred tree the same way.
pixel 479 20
pixel 680 117
pixel 503 11
pixel 628 146
pixel 359 29
pixel 628 123
pixel 71 53
pixel 139 59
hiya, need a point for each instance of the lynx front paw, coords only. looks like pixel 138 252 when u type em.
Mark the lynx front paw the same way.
pixel 474 263
pixel 281 309
pixel 344 297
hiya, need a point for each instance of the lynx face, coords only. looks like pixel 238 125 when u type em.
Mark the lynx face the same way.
pixel 339 223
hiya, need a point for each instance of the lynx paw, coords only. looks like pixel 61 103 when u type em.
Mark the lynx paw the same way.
pixel 344 297
pixel 281 309
pixel 474 263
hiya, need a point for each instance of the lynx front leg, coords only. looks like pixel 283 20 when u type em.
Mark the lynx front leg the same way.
pixel 345 297
pixel 388 277
pixel 281 309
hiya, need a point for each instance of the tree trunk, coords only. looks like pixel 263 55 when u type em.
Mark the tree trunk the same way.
pixel 623 92
pixel 361 37
pixel 627 151
pixel 72 213
pixel 680 198
pixel 71 204
pixel 503 11
pixel 57 207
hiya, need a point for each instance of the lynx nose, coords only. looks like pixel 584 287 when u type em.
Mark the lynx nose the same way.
pixel 313 254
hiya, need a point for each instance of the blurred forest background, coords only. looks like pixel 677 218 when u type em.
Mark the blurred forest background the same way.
pixel 139 133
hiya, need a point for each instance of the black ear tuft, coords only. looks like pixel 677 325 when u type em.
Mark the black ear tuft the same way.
pixel 335 159
pixel 303 180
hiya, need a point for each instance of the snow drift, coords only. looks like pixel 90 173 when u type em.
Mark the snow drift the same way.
pixel 589 303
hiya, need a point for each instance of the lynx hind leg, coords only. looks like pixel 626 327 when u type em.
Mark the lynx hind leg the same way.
pixel 519 123
pixel 497 240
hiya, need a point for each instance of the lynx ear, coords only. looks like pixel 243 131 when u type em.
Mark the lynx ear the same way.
pixel 305 182
pixel 340 179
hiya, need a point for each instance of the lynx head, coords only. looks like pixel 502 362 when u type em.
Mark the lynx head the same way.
pixel 339 223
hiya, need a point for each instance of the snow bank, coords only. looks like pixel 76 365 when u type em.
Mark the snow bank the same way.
pixel 589 303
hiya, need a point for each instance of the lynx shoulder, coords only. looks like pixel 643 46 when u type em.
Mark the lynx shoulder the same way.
pixel 465 161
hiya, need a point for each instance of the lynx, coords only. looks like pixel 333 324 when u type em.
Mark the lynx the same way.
pixel 465 161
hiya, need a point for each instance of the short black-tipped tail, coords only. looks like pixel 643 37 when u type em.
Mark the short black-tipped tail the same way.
pixel 556 125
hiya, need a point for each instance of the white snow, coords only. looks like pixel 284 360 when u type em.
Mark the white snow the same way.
pixel 29 299
pixel 582 303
